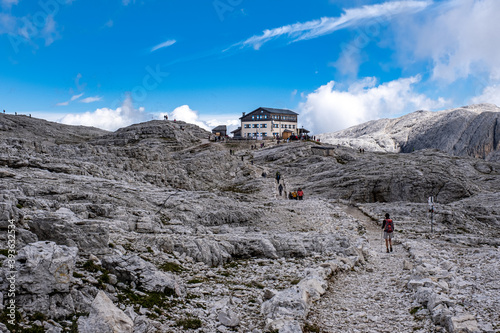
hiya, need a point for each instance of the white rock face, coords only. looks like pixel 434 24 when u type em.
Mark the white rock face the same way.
pixel 105 317
pixel 48 262
pixel 468 131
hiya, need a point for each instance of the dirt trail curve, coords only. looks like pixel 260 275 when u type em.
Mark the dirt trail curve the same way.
pixel 374 299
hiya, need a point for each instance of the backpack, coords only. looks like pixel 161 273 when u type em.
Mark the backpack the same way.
pixel 389 225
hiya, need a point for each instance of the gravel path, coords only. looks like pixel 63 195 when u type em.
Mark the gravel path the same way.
pixel 376 298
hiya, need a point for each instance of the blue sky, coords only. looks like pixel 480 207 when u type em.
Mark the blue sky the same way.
pixel 111 63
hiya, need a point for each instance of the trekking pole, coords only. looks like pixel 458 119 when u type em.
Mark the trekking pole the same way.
pixel 382 236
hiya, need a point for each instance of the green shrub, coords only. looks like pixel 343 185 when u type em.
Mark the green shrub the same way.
pixel 171 267
pixel 188 323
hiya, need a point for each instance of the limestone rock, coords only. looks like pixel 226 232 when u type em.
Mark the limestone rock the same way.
pixel 64 228
pixel 132 268
pixel 48 262
pixel 105 317
pixel 465 323
pixel 228 317
pixel 468 131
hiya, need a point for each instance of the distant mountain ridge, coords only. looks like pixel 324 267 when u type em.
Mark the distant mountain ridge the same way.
pixel 472 130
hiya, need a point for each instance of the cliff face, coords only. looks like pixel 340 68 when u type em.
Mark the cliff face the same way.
pixel 468 131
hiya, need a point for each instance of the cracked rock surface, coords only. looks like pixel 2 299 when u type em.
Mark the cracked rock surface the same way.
pixel 154 228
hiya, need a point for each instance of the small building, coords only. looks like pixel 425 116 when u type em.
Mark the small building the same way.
pixel 236 133
pixel 220 130
pixel 268 122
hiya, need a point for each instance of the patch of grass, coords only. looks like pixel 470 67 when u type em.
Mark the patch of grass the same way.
pixel 236 189
pixel 39 316
pixel 232 264
pixel 19 206
pixel 188 323
pixel 311 328
pixel 150 250
pixel 415 310
pixel 91 266
pixel 226 274
pixel 171 267
pixel 5 320
pixel 111 245
pixel 104 278
pixel 77 275
pixel 295 281
pixel 195 281
pixel 4 252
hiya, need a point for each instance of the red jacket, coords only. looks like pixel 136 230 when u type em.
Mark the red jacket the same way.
pixel 300 193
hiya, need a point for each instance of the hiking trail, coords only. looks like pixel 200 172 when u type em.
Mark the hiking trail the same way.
pixel 375 298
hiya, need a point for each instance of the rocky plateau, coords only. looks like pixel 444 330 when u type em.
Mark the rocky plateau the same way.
pixel 158 228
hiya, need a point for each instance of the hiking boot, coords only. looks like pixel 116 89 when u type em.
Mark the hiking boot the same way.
pixel 391 248
pixel 387 250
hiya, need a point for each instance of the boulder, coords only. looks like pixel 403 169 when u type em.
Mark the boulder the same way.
pixel 228 317
pixel 131 268
pixel 62 227
pixel 48 262
pixel 465 323
pixel 105 317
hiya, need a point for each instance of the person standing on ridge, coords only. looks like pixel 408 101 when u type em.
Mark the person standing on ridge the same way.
pixel 278 175
pixel 388 227
pixel 280 189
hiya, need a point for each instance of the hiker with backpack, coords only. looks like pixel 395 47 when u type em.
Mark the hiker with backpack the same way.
pixel 280 189
pixel 388 227
pixel 300 193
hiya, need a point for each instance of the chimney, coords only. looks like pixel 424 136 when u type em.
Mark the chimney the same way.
pixel 243 114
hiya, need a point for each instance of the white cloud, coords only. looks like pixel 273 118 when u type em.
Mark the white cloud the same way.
pixel 108 119
pixel 49 32
pixel 327 25
pixel 73 98
pixel 329 110
pixel 91 99
pixel 164 44
pixel 184 113
pixel 460 36
pixel 490 94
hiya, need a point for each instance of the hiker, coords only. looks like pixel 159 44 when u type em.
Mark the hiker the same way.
pixel 388 227
pixel 278 176
pixel 280 188
pixel 300 193
pixel 242 158
pixel 294 195
pixel 290 196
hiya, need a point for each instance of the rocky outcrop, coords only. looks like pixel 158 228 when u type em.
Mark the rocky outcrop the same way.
pixel 105 317
pixel 44 278
pixel 136 271
pixel 467 131
pixel 64 228
pixel 180 234
pixel 288 306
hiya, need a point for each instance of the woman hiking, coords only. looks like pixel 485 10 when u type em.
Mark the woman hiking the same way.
pixel 388 227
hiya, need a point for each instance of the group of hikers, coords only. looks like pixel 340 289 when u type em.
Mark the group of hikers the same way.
pixel 292 195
